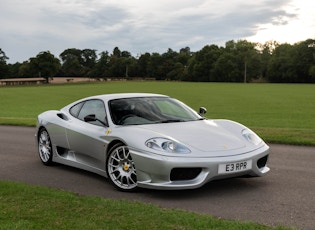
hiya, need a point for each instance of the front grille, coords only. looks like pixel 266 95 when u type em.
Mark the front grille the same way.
pixel 262 162
pixel 184 173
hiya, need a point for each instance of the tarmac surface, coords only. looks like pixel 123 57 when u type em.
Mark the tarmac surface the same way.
pixel 286 196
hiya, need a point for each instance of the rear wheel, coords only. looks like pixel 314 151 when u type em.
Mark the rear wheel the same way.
pixel 44 147
pixel 121 169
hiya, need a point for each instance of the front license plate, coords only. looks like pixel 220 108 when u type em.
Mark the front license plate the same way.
pixel 235 167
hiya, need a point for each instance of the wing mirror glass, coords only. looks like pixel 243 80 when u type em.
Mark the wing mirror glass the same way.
pixel 202 111
pixel 92 118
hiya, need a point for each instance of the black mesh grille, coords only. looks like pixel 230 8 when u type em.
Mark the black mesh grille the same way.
pixel 184 173
pixel 262 162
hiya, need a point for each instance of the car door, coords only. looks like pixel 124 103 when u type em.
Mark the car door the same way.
pixel 86 139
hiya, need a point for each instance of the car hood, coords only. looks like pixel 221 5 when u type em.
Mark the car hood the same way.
pixel 204 136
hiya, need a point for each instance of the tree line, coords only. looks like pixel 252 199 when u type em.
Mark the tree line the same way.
pixel 238 61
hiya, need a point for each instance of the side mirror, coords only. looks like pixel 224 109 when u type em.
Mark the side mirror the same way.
pixel 92 117
pixel 202 111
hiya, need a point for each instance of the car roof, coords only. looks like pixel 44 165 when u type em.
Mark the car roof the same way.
pixel 108 97
pixel 124 95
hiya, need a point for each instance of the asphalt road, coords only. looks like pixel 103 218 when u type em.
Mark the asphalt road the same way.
pixel 286 196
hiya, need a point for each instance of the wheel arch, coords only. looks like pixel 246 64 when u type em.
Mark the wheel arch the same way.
pixel 39 129
pixel 112 144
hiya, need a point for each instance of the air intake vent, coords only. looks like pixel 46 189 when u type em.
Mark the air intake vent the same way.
pixel 184 173
pixel 62 116
pixel 262 162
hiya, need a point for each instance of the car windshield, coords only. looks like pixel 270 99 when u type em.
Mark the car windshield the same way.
pixel 150 110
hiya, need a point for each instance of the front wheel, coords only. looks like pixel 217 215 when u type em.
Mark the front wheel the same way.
pixel 44 147
pixel 121 169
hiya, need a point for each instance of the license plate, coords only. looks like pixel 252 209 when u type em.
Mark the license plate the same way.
pixel 235 167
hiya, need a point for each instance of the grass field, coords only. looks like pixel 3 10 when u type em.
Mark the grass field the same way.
pixel 280 113
pixel 30 207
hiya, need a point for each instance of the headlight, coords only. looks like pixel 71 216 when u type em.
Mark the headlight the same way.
pixel 166 145
pixel 251 137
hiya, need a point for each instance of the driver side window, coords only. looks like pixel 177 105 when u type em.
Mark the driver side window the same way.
pixel 92 107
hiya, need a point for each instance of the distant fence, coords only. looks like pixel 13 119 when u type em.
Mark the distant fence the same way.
pixel 58 80
pixel 22 81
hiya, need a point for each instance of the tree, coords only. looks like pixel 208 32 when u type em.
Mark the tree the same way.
pixel 181 64
pixel 3 57
pixel 143 65
pixel 72 63
pixel 4 70
pixel 101 67
pixel 248 59
pixel 202 66
pixel 126 54
pixel 14 70
pixel 155 69
pixel 45 64
pixel 88 57
pixel 26 71
pixel 117 52
pixel 131 67
pixel 266 50
pixel 168 62
pixel 184 56
pixel 238 61
pixel 78 62
pixel 178 72
pixel 121 64
pixel 312 71
pixel 116 69
pixel 281 67
pixel 226 68
pixel 303 60
pixel 128 63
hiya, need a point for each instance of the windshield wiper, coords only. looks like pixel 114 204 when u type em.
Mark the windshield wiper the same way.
pixel 171 121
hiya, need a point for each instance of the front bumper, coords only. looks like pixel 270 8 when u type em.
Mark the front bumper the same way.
pixel 157 172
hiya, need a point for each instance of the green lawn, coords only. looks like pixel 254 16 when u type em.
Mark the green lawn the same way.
pixel 280 113
pixel 32 207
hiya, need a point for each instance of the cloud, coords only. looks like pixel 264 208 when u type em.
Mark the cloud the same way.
pixel 29 27
pixel 296 22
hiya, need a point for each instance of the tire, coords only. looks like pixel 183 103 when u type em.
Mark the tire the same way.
pixel 45 147
pixel 121 169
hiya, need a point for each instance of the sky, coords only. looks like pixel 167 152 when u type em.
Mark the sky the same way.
pixel 29 27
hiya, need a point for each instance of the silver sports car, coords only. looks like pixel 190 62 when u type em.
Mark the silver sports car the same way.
pixel 148 141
